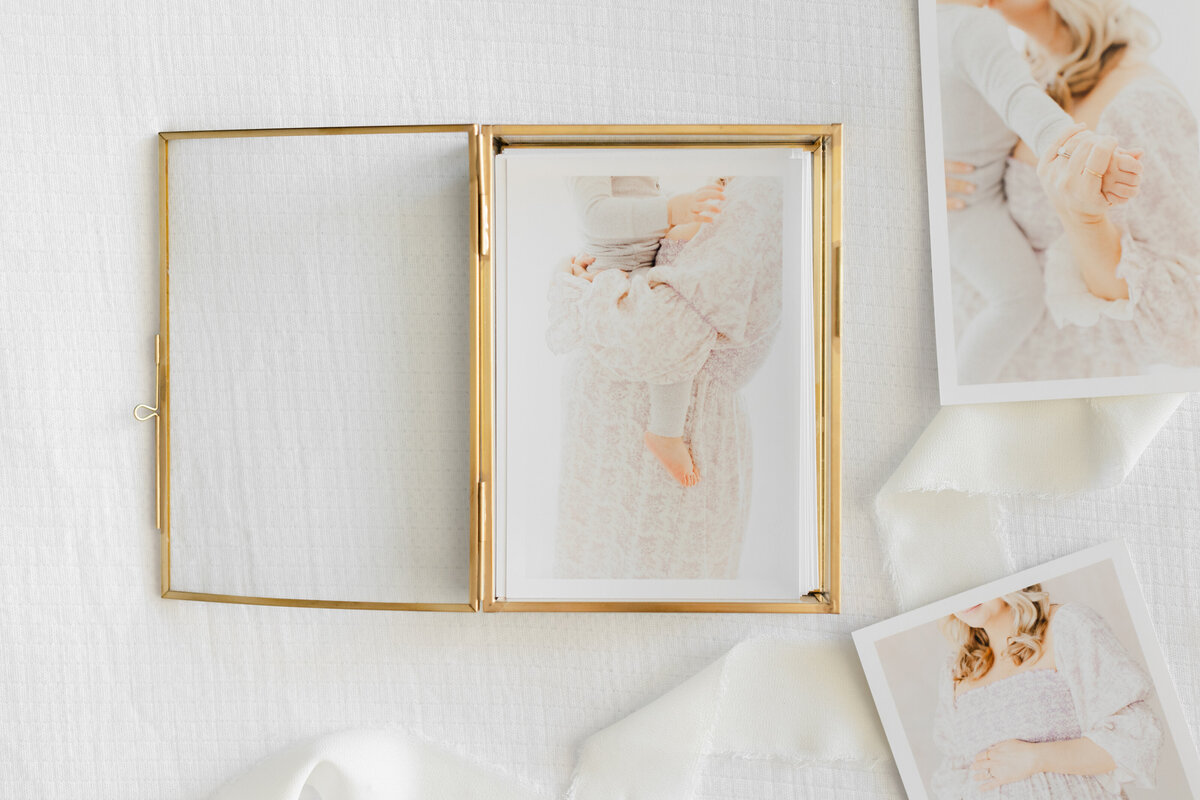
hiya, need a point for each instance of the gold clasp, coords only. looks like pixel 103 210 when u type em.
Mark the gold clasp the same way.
pixel 144 413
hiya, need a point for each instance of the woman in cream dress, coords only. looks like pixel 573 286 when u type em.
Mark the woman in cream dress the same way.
pixel 712 313
pixel 1041 702
pixel 1122 283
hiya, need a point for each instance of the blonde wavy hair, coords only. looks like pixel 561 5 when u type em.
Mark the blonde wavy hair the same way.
pixel 1031 617
pixel 1101 31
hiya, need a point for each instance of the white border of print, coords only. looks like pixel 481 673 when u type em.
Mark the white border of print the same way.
pixel 951 393
pixel 1113 551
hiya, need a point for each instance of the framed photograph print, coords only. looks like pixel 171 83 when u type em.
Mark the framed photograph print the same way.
pixel 1064 197
pixel 501 368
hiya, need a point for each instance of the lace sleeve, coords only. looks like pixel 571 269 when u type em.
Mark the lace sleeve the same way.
pixel 1160 231
pixel 1110 690
pixel 640 333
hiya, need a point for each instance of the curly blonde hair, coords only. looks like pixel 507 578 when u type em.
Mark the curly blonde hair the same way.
pixel 1031 617
pixel 1101 31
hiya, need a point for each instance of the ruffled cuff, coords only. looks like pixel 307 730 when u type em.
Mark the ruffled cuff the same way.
pixel 1113 780
pixel 1070 301
pixel 1132 738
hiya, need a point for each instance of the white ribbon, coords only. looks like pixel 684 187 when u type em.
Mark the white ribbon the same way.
pixel 766 698
pixel 370 765
pixel 942 527
pixel 940 514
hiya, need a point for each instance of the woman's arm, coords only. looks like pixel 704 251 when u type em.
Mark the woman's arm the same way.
pixel 1096 247
pixel 1073 183
pixel 1158 252
pixel 1015 760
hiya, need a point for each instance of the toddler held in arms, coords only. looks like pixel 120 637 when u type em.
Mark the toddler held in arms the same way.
pixel 989 99
pixel 630 225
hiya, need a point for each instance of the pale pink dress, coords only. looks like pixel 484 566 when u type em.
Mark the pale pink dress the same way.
pixel 620 514
pixel 1096 690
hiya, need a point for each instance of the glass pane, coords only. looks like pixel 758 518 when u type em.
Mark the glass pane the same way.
pixel 319 366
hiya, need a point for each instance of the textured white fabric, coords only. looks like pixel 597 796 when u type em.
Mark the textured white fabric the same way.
pixel 109 691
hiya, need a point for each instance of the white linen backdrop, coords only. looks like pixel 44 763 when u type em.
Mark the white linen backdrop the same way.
pixel 112 692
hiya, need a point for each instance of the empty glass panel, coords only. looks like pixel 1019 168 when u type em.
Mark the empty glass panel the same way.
pixel 319 366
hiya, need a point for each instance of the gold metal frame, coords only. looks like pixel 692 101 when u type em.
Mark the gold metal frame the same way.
pixel 824 141
pixel 163 418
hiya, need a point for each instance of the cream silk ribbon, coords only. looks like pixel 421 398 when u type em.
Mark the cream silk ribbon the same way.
pixel 941 525
pixel 369 765
pixel 940 514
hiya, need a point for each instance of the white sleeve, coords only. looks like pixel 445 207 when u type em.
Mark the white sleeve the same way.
pixel 1110 690
pixel 992 65
pixel 605 217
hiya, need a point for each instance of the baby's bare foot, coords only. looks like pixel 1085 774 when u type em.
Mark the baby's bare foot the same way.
pixel 675 456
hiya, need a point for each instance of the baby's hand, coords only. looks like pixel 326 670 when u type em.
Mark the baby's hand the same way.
pixel 1123 176
pixel 579 265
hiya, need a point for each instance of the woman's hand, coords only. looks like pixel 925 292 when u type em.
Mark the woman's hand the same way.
pixel 1006 762
pixel 957 187
pixel 698 206
pixel 1072 174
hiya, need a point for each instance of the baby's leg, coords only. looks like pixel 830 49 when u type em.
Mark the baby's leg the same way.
pixel 993 255
pixel 664 435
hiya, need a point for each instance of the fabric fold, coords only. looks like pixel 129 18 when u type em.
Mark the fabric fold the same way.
pixel 766 698
pixel 940 513
pixel 370 765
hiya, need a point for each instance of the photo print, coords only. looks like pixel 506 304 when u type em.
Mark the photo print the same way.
pixel 1047 685
pixel 1064 189
pixel 655 374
